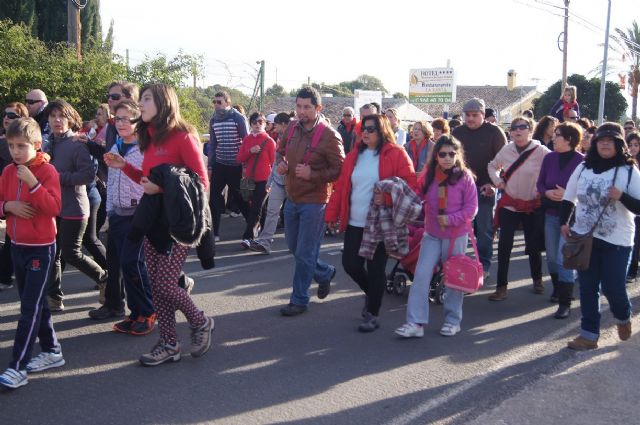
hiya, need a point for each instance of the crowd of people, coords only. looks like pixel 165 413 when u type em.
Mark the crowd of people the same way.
pixel 139 165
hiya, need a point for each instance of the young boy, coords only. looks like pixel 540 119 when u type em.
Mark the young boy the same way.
pixel 30 201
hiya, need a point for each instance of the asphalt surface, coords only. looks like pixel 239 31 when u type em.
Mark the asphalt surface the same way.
pixel 509 365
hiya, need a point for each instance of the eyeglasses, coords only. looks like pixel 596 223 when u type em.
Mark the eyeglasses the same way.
pixel 520 127
pixel 114 96
pixel 11 115
pixel 369 129
pixel 443 155
pixel 123 120
pixel 32 101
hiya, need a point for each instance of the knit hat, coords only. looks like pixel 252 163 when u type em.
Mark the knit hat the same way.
pixel 474 105
pixel 609 129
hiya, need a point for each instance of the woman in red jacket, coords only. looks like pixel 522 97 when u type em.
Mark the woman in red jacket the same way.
pixel 257 154
pixel 376 158
pixel 165 138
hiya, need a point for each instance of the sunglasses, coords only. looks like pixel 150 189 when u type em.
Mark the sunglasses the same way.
pixel 258 122
pixel 11 115
pixel 31 101
pixel 443 155
pixel 520 127
pixel 114 96
pixel 369 129
pixel 347 115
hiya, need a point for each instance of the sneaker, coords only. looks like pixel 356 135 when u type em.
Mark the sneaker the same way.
pixel 630 279
pixel 201 338
pixel 624 330
pixel 258 247
pixel 581 343
pixel 449 330
pixel 104 312
pixel 5 286
pixel 143 325
pixel 12 378
pixel 410 330
pixel 369 324
pixel 124 327
pixel 55 305
pixel 161 353
pixel 293 310
pixel 245 243
pixel 325 288
pixel 44 361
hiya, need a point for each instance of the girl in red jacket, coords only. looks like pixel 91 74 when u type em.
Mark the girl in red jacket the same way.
pixel 165 138
pixel 256 154
pixel 376 157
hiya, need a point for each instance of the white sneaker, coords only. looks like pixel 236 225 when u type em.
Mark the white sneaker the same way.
pixel 44 361
pixel 449 330
pixel 410 330
pixel 12 378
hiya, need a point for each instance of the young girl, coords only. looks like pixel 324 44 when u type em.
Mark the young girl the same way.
pixel 450 201
pixel 568 102
pixel 165 138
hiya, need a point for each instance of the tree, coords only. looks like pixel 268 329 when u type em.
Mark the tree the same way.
pixel 399 95
pixel 627 44
pixel 615 104
pixel 275 90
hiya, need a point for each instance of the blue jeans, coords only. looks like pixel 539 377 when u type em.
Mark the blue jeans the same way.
pixel 607 270
pixel 554 242
pixel 432 251
pixel 483 226
pixel 303 231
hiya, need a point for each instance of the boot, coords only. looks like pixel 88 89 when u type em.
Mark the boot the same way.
pixel 554 294
pixel 500 294
pixel 580 344
pixel 538 287
pixel 565 289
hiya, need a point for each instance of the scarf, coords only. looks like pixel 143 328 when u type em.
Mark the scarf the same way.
pixel 566 107
pixel 221 115
pixel 350 125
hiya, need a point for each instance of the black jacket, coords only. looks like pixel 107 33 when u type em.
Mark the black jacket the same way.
pixel 180 213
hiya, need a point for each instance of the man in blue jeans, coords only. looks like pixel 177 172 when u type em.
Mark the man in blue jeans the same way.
pixel 481 141
pixel 312 159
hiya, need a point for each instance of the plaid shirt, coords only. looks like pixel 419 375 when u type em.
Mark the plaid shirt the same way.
pixel 389 224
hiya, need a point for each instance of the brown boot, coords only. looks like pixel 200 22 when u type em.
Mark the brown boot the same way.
pixel 538 287
pixel 500 294
pixel 624 330
pixel 581 344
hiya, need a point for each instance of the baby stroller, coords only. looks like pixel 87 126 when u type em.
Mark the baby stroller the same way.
pixel 405 268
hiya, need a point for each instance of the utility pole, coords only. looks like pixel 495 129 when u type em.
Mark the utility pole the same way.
pixel 74 28
pixel 127 62
pixel 261 84
pixel 604 67
pixel 564 46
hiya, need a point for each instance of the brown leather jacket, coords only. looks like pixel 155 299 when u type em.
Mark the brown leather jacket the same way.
pixel 325 162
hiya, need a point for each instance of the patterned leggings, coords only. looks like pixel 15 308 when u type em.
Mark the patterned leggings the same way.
pixel 164 271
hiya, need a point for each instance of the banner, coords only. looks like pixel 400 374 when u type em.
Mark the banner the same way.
pixel 432 85
pixel 362 97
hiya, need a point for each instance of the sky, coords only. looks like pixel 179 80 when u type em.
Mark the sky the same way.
pixel 331 41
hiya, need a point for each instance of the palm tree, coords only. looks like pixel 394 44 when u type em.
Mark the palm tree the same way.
pixel 627 45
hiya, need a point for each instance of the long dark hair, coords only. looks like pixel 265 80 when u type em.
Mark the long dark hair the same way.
pixel 383 128
pixel 166 120
pixel 459 168
pixel 613 130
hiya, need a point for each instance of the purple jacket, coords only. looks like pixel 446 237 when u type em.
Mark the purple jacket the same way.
pixel 551 175
pixel 462 205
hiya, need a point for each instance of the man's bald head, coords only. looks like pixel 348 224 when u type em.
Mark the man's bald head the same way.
pixel 35 100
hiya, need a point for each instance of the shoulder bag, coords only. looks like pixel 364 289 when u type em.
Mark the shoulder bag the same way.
pixel 248 184
pixel 461 272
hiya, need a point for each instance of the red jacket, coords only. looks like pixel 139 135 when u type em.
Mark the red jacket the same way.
pixel 394 162
pixel 45 197
pixel 265 158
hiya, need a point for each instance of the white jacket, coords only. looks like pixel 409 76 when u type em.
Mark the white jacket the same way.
pixel 123 194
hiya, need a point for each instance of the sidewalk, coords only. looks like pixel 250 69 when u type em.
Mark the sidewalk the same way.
pixel 595 387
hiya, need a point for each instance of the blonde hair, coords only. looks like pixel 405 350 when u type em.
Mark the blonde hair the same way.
pixel 573 90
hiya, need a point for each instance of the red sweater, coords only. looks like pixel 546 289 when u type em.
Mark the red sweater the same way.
pixel 45 197
pixel 394 162
pixel 180 148
pixel 265 158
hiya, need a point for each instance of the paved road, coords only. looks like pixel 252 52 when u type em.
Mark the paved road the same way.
pixel 315 368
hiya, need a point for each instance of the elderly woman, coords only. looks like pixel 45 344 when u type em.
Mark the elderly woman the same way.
pixel 347 128
pixel 515 171
pixel 421 143
pixel 603 194
pixel 556 169
pixel 12 111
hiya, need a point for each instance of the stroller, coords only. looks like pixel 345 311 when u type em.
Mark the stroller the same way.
pixel 405 268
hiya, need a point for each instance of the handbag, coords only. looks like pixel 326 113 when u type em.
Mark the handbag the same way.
pixel 461 272
pixel 576 252
pixel 247 184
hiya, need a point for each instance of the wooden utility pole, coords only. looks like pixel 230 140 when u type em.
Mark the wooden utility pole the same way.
pixel 74 27
pixel 564 46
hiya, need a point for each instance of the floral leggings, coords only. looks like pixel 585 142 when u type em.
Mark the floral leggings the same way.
pixel 164 272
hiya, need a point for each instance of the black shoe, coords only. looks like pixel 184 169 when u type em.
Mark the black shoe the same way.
pixel 563 311
pixel 370 324
pixel 293 310
pixel 105 312
pixel 325 288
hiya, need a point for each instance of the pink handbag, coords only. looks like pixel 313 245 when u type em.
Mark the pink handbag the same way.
pixel 462 272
